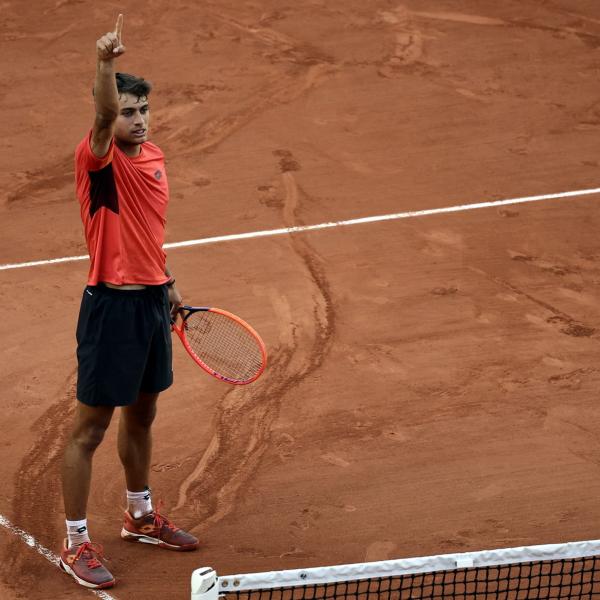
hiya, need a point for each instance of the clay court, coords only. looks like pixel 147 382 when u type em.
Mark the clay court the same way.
pixel 433 380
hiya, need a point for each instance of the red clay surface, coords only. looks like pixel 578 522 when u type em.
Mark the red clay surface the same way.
pixel 433 382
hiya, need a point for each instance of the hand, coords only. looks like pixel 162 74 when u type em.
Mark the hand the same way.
pixel 175 301
pixel 110 46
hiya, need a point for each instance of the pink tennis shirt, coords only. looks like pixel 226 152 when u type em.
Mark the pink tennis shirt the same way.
pixel 123 205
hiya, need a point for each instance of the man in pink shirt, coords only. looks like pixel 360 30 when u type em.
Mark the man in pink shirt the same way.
pixel 123 332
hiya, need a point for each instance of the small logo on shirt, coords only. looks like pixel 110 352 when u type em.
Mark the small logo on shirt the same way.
pixel 158 174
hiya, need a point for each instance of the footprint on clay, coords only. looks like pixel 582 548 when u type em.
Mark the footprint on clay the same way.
pixel 383 283
pixel 396 434
pixel 295 553
pixel 389 17
pixel 306 520
pixel 332 459
pixel 536 320
pixel 486 318
pixel 520 256
pixel 287 162
pixel 489 491
pixel 444 291
pixel 383 550
pixel 201 181
pixel 569 326
pixel 270 196
pixel 408 43
pixel 507 297
pixel 512 384
pixel 409 48
pixel 553 361
pixel 507 213
pixel 444 237
pixel 571 380
pixel 542 264
pixel 578 330
pixel 285 444
pixel 578 296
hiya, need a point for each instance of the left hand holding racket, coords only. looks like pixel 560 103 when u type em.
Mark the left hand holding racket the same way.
pixel 175 300
pixel 221 343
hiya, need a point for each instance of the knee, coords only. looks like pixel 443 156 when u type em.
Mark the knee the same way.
pixel 140 416
pixel 142 419
pixel 88 438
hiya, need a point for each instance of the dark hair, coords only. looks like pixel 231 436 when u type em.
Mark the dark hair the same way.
pixel 130 84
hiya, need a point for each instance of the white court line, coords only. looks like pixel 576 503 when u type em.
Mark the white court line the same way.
pixel 47 554
pixel 375 219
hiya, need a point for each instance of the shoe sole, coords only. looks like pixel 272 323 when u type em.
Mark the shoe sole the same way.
pixel 83 582
pixel 128 536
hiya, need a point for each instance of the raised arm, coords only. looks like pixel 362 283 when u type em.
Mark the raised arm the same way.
pixel 108 48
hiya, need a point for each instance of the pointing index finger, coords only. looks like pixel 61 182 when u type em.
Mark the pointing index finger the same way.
pixel 119 28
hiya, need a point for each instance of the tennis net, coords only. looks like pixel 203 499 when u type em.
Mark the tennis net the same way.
pixel 570 571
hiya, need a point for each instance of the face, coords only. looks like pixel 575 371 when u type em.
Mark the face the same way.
pixel 131 126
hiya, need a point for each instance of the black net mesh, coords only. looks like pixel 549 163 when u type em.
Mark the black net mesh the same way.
pixel 565 578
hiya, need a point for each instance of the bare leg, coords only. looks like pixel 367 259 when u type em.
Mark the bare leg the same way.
pixel 88 431
pixel 135 449
pixel 135 440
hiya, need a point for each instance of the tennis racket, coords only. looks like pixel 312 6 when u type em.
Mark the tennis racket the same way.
pixel 222 344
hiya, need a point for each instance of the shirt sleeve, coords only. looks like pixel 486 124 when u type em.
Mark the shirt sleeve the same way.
pixel 87 160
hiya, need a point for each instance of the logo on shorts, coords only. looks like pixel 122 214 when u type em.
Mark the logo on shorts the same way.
pixel 90 293
pixel 158 174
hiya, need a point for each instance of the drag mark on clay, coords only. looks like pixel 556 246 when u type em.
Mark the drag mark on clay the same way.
pixel 40 469
pixel 570 326
pixel 572 379
pixel 459 18
pixel 40 466
pixel 408 54
pixel 408 43
pixel 587 37
pixel 277 89
pixel 280 47
pixel 543 265
pixel 573 432
pixel 245 417
pixel 33 186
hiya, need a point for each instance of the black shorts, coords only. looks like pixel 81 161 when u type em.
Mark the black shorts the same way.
pixel 123 344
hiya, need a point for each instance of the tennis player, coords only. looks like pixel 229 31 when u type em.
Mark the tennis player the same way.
pixel 123 332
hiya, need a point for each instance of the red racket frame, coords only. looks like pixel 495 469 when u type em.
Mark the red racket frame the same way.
pixel 180 331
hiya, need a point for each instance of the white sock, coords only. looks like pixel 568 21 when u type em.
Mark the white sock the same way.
pixel 77 532
pixel 139 503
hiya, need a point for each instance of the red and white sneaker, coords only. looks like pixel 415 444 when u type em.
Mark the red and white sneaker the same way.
pixel 156 529
pixel 84 563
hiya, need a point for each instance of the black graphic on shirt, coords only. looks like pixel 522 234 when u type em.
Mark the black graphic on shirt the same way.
pixel 103 190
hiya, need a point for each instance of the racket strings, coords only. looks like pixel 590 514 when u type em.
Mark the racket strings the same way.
pixel 224 345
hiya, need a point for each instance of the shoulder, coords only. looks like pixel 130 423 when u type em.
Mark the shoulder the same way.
pixel 153 150
pixel 87 160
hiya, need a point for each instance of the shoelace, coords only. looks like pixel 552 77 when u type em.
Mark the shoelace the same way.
pixel 88 552
pixel 160 520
